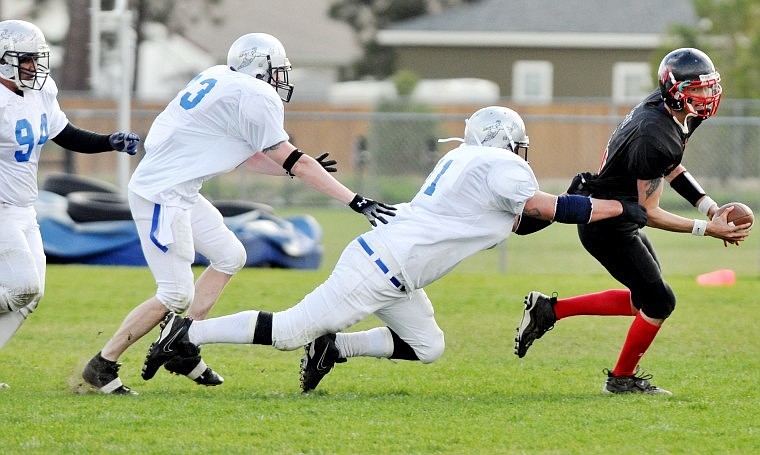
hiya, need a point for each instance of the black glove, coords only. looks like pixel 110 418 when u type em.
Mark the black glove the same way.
pixel 634 213
pixel 327 165
pixel 124 142
pixel 580 183
pixel 373 210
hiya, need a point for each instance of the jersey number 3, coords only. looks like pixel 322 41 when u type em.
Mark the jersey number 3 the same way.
pixel 189 100
pixel 25 137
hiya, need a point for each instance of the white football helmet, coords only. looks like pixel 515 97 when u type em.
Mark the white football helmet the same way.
pixel 263 57
pixel 21 42
pixel 497 126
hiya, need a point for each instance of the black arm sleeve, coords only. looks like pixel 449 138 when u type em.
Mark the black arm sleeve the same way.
pixel 82 141
pixel 529 225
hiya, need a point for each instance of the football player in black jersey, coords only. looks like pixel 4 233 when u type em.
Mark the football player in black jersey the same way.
pixel 643 152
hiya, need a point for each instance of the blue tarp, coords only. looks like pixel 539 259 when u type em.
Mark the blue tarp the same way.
pixel 269 241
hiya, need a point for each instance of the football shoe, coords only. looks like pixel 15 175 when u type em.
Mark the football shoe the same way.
pixel 631 384
pixel 103 375
pixel 319 358
pixel 538 318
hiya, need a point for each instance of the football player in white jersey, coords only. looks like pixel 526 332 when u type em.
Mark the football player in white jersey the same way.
pixel 470 202
pixel 226 116
pixel 29 117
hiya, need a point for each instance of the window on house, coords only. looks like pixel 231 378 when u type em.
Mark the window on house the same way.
pixel 631 82
pixel 532 81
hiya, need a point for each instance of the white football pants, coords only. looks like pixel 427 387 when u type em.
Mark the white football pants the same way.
pixel 170 236
pixel 22 267
pixel 357 288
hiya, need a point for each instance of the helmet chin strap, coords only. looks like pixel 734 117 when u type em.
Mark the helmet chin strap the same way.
pixel 683 125
pixel 451 139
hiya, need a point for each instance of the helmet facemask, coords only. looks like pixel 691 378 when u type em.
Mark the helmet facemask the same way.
pixel 29 70
pixel 278 78
pixel 703 106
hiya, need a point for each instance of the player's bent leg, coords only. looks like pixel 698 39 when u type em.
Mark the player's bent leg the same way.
pixel 414 330
pixel 538 318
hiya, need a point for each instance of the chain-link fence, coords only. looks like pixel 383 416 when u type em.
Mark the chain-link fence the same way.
pixel 388 151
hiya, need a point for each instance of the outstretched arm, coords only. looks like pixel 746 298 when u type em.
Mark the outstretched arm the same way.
pixel 316 174
pixel 84 141
pixel 575 209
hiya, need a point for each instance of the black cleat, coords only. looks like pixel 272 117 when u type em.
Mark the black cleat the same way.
pixel 631 384
pixel 103 375
pixel 172 342
pixel 194 368
pixel 538 318
pixel 319 358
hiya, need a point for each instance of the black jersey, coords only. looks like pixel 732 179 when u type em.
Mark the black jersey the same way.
pixel 646 145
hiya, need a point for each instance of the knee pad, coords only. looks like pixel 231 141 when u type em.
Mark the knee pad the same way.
pixel 22 287
pixel 16 299
pixel 230 257
pixel 656 300
pixel 433 351
pixel 176 297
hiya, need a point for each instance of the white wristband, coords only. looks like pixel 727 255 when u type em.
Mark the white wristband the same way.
pixel 705 204
pixel 700 226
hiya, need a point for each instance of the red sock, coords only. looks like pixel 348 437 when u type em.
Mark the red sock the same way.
pixel 640 336
pixel 613 302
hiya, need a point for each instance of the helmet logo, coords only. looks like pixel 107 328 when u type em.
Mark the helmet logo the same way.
pixel 492 131
pixel 248 56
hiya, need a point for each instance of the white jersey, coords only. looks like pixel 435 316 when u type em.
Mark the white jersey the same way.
pixel 214 124
pixel 26 123
pixel 467 204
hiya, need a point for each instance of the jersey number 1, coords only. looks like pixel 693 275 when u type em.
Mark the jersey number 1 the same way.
pixel 431 188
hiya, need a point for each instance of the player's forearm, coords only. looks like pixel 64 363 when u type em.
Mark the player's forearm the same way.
pixel 601 209
pixel 82 141
pixel 309 171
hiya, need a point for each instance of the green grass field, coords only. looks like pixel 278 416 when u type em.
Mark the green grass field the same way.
pixel 478 398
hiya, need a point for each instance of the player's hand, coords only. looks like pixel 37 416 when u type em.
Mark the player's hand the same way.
pixel 719 228
pixel 124 142
pixel 373 210
pixel 327 164
pixel 634 213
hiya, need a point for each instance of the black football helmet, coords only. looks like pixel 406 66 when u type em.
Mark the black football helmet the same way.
pixel 680 72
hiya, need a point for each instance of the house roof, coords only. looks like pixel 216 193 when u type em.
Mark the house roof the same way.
pixel 544 23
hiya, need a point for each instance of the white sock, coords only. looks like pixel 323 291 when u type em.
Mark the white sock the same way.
pixel 9 324
pixel 376 342
pixel 235 328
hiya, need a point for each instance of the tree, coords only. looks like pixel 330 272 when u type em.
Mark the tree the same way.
pixel 75 70
pixel 729 32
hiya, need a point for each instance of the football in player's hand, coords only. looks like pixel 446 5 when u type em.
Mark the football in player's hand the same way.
pixel 741 214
